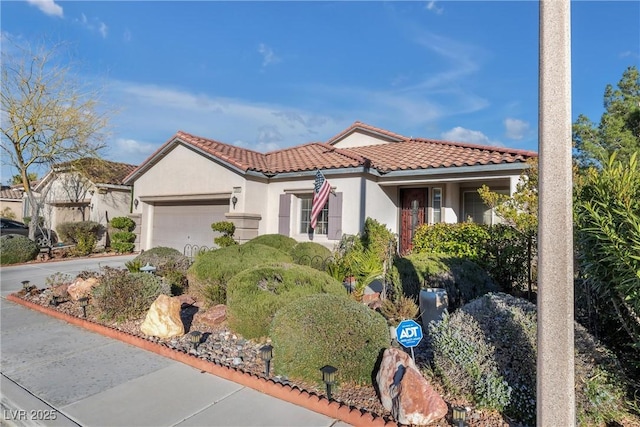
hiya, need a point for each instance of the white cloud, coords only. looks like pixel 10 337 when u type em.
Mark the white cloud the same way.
pixel 431 5
pixel 126 36
pixel 48 7
pixel 268 56
pixel 515 128
pixel 133 148
pixel 460 134
pixel 94 25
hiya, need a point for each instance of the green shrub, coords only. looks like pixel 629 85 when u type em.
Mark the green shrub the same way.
pixel 84 234
pixel 123 241
pixel 487 350
pixel 123 223
pixel 169 263
pixel 325 329
pixel 312 254
pixel 122 296
pixel 15 248
pixel 461 240
pixel 378 239
pixel 254 295
pixel 278 241
pixel 227 229
pixel 209 274
pixel 464 280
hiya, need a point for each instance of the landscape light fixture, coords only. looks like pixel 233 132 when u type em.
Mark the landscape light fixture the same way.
pixel 56 300
pixel 459 416
pixel 148 268
pixel 84 301
pixel 234 200
pixel 329 377
pixel 26 285
pixel 266 354
pixel 135 203
pixel 195 337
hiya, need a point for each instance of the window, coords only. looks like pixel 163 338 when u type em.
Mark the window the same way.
pixel 436 205
pixel 322 225
pixel 474 209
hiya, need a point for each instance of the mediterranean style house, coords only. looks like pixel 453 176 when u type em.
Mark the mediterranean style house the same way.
pixel 191 182
pixel 85 190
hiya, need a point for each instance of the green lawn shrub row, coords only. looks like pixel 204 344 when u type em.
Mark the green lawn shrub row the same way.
pixel 326 329
pixel 254 295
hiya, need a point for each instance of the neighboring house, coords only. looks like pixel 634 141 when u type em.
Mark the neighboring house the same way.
pixel 191 182
pixel 85 190
pixel 11 205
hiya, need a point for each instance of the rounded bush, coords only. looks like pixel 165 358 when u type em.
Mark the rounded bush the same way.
pixel 312 254
pixel 488 349
pixel 169 263
pixel 123 223
pixel 122 296
pixel 278 241
pixel 209 274
pixel 464 280
pixel 15 248
pixel 325 329
pixel 254 295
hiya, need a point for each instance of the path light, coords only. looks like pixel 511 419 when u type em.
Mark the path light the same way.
pixel 195 337
pixel 266 354
pixel 84 301
pixel 459 416
pixel 56 300
pixel 148 268
pixel 329 377
pixel 26 285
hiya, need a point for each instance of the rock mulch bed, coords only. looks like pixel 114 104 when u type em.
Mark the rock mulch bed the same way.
pixel 221 346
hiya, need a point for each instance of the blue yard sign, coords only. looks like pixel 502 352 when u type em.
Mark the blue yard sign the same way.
pixel 409 333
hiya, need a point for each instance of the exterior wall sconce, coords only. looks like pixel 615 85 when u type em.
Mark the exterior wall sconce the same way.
pixel 266 354
pixel 329 377
pixel 234 200
pixel 91 192
pixel 84 301
pixel 195 337
pixel 459 416
pixel 135 203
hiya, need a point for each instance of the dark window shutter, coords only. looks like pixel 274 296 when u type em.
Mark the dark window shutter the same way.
pixel 284 215
pixel 334 231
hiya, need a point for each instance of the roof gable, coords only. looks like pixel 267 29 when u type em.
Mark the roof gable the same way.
pixel 98 171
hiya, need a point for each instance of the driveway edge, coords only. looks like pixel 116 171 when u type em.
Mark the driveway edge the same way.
pixel 295 395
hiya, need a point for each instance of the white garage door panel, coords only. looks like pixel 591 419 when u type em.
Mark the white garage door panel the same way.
pixel 175 226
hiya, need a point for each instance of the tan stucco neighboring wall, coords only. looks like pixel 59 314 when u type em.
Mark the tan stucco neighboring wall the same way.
pixel 14 205
pixel 183 171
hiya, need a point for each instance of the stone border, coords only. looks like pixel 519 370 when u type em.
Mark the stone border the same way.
pixel 295 395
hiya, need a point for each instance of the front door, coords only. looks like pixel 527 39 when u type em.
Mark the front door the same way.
pixel 413 214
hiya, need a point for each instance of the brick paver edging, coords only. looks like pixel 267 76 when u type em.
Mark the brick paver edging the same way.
pixel 303 398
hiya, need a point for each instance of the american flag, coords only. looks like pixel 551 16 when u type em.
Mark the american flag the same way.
pixel 320 196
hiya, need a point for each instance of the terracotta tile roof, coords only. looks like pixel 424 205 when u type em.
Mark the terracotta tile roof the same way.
pixel 11 194
pixel 417 154
pixel 403 154
pixel 101 171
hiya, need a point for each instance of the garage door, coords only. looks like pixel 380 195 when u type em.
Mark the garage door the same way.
pixel 176 226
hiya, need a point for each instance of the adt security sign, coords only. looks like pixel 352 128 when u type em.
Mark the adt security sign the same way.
pixel 409 333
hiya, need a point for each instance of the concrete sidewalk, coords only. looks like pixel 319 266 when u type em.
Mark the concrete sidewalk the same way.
pixel 57 374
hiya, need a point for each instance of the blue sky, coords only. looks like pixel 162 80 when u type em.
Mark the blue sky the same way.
pixel 268 75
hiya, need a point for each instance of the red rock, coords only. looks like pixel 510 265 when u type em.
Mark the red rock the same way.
pixel 213 316
pixel 405 392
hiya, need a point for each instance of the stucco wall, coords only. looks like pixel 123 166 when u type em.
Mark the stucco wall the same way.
pixel 359 139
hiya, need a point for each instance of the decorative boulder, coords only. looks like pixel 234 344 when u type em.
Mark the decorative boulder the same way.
pixel 163 318
pixel 405 392
pixel 213 316
pixel 81 288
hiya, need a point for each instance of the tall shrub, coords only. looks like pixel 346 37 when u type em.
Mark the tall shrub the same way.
pixel 607 216
pixel 123 240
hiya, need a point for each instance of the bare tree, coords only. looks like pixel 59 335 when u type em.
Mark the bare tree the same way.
pixel 48 116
